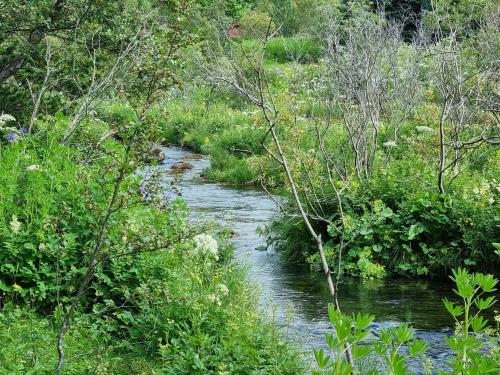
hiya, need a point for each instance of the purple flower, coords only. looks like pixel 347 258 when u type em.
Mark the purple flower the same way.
pixel 143 191
pixel 24 132
pixel 11 137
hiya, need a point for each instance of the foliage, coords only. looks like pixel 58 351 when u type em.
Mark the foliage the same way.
pixel 393 226
pixel 468 342
pixel 231 138
pixel 380 356
pixel 161 299
pixel 389 350
pixel 256 25
pixel 181 315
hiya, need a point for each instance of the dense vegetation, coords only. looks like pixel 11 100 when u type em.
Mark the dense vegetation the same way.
pixel 405 129
pixel 375 125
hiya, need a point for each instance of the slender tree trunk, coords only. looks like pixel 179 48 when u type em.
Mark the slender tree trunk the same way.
pixel 314 234
pixel 442 150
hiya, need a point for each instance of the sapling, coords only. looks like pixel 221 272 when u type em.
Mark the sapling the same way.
pixel 380 356
pixel 470 324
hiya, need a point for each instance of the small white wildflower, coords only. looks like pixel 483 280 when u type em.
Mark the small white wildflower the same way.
pixel 205 244
pixel 222 289
pixel 424 129
pixel 390 144
pixel 34 167
pixel 15 225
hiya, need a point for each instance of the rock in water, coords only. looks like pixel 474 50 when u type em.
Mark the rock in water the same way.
pixel 181 166
pixel 156 155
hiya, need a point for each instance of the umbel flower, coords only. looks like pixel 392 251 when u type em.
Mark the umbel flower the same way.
pixel 205 244
pixel 15 225
pixel 424 129
pixel 4 117
pixel 34 167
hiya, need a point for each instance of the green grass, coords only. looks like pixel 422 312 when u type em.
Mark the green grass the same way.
pixel 286 49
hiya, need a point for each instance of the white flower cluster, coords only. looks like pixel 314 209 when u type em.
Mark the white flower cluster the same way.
pixel 15 225
pixel 205 244
pixel 4 117
pixel 214 299
pixel 390 144
pixel 34 167
pixel 222 289
pixel 486 191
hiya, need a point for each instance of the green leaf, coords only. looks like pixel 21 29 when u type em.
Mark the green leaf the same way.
pixel 4 286
pixel 363 321
pixel 403 333
pixel 478 323
pixel 321 359
pixel 452 309
pixel 361 351
pixel 417 347
pixel 415 230
pixel 387 212
pixel 469 262
pixel 485 303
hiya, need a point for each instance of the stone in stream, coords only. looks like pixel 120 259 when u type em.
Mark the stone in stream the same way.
pixel 193 157
pixel 181 167
pixel 155 155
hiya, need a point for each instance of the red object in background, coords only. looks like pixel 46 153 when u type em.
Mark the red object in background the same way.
pixel 234 31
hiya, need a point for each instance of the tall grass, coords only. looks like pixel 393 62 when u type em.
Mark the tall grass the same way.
pixel 300 49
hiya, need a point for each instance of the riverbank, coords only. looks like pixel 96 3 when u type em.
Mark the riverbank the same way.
pixel 163 295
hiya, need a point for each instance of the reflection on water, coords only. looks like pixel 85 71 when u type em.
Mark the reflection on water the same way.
pixel 391 301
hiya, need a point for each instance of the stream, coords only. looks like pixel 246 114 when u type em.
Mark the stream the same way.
pixel 298 297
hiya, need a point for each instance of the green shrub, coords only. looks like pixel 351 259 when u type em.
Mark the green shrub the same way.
pixel 160 300
pixel 41 216
pixel 397 224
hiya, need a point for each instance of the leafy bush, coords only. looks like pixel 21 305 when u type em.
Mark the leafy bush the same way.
pixel 230 137
pixel 396 224
pixel 41 216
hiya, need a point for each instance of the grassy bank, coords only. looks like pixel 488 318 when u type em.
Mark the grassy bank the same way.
pixel 165 297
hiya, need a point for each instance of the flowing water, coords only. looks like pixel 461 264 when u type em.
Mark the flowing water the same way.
pixel 297 296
